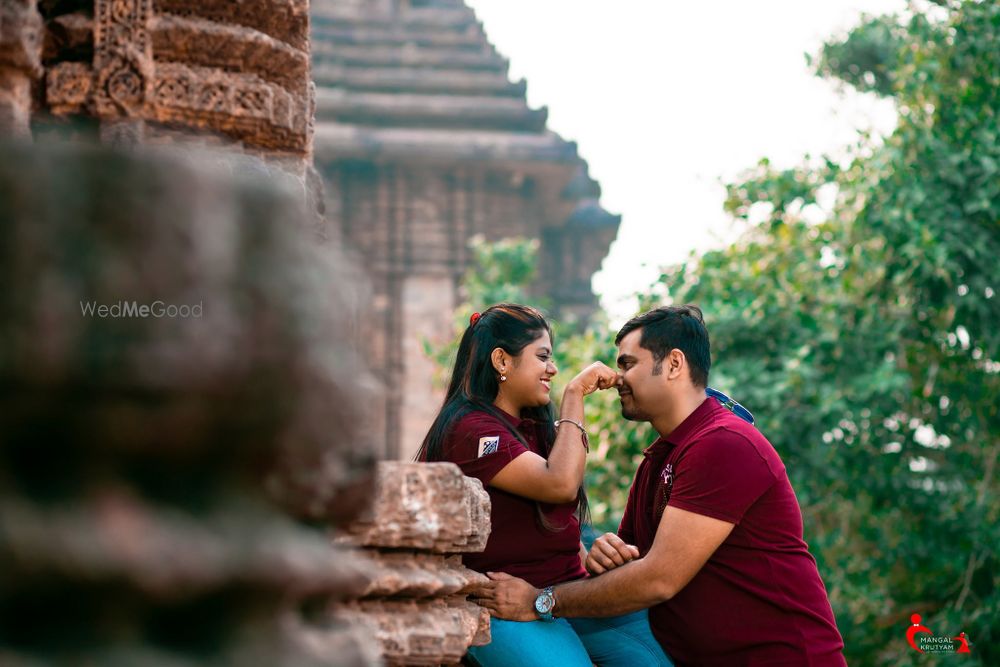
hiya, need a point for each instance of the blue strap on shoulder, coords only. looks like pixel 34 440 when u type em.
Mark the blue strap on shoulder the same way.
pixel 730 404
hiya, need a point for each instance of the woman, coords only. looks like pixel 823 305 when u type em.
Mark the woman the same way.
pixel 497 425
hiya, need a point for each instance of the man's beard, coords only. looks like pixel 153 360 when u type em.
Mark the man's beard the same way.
pixel 633 415
pixel 631 412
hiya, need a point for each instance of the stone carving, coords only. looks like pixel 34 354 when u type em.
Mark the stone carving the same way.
pixel 239 70
pixel 123 56
pixel 69 87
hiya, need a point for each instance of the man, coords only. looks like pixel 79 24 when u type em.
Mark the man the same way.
pixel 711 540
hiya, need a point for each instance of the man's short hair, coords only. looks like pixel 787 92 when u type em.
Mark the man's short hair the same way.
pixel 674 327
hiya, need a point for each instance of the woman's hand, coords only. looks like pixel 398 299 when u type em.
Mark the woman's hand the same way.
pixel 593 377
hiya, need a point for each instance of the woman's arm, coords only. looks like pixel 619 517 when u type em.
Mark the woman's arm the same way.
pixel 557 479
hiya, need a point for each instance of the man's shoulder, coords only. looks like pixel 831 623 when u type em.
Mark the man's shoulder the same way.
pixel 725 424
pixel 738 437
pixel 721 423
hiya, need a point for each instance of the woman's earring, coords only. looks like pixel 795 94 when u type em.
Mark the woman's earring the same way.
pixel 503 378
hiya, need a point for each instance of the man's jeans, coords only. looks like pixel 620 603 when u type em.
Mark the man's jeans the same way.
pixel 619 641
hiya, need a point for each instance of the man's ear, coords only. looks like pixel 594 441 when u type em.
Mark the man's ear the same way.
pixel 675 363
pixel 499 359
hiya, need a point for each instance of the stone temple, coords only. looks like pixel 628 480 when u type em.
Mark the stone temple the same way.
pixel 203 489
pixel 424 142
pixel 407 112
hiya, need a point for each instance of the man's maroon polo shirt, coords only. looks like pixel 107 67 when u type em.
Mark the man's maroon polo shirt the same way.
pixel 482 445
pixel 759 599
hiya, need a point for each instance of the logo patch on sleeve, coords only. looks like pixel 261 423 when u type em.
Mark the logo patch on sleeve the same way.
pixel 488 445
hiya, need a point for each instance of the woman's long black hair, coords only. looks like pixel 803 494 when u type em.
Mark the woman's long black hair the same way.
pixel 475 383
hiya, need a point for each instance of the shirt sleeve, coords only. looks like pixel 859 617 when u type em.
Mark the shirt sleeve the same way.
pixel 482 445
pixel 720 477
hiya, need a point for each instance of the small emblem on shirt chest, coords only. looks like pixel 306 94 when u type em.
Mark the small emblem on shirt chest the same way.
pixel 666 485
pixel 488 445
pixel 667 474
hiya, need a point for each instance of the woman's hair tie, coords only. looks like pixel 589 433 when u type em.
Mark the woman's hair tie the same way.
pixel 475 318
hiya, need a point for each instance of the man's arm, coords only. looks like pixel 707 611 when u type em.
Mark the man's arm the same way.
pixel 684 542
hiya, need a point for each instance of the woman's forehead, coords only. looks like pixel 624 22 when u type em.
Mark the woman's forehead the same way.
pixel 542 341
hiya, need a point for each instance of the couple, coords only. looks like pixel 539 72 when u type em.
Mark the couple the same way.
pixel 708 566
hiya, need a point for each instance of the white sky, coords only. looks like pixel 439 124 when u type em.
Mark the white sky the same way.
pixel 666 98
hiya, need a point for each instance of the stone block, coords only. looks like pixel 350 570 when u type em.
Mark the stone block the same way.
pixel 435 632
pixel 428 506
pixel 417 575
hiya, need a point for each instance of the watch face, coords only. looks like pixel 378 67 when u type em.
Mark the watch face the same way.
pixel 544 603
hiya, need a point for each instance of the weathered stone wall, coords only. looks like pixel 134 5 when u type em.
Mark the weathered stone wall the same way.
pixel 155 471
pixel 416 603
pixel 145 460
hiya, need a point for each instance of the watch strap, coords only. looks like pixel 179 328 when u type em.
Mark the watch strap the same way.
pixel 547 595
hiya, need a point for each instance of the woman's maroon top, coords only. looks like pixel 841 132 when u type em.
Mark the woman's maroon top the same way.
pixel 481 445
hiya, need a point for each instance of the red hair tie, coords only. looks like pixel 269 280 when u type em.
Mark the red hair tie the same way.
pixel 475 318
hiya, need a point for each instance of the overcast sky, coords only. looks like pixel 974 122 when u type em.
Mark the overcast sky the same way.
pixel 667 98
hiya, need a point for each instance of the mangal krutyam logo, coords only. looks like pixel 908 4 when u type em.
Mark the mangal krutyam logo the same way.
pixel 916 638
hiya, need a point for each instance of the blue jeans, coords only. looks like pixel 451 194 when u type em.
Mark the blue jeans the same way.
pixel 619 641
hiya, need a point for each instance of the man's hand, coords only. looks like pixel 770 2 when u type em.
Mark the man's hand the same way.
pixel 511 598
pixel 481 589
pixel 609 551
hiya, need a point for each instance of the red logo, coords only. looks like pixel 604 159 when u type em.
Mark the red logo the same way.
pixel 932 644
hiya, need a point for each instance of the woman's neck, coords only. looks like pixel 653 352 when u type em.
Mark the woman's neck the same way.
pixel 507 406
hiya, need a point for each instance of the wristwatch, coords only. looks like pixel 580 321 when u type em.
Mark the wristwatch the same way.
pixel 545 603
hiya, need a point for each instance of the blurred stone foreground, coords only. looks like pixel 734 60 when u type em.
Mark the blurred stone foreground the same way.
pixel 196 488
